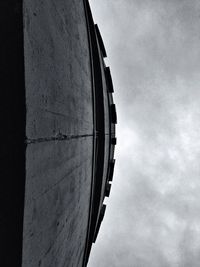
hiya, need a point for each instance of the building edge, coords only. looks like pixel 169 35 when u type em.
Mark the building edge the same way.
pixel 96 204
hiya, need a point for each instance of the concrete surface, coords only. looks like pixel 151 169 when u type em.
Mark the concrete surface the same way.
pixel 49 142
pixel 57 202
pixel 59 130
pixel 58 79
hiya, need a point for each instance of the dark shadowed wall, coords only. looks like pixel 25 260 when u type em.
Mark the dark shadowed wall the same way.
pixel 12 118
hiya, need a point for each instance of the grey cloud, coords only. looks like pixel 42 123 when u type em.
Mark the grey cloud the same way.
pixel 153 212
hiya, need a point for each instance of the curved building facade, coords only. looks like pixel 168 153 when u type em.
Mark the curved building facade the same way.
pixel 58 157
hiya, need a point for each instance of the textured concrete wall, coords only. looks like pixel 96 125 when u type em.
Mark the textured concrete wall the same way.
pixel 58 83
pixel 59 131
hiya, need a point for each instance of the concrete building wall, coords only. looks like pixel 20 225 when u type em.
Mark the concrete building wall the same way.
pixel 56 142
pixel 58 75
pixel 59 130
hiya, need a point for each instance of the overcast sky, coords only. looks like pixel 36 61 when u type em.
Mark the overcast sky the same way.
pixel 153 213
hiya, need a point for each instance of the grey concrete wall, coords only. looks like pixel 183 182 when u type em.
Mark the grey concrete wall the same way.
pixel 58 82
pixel 57 202
pixel 59 131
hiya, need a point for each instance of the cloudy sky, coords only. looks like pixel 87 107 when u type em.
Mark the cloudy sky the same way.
pixel 153 213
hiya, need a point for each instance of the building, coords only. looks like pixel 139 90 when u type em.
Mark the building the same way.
pixel 58 138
